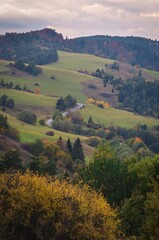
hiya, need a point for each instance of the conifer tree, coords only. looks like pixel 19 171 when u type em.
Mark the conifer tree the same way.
pixel 77 152
pixel 69 145
pixel 61 143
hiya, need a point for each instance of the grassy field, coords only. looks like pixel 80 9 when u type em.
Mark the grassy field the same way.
pixel 68 81
pixel 29 99
pixel 115 117
pixel 3 66
pixel 154 74
pixel 79 61
pixel 29 133
pixel 67 78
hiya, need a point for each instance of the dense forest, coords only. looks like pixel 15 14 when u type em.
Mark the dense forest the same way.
pixel 133 50
pixel 40 47
pixel 108 199
pixel 140 96
pixel 35 47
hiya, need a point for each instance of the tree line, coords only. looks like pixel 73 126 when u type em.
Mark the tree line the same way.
pixel 40 47
pixel 141 96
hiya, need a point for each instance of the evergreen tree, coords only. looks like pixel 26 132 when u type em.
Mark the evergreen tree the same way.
pixel 10 103
pixel 61 143
pixel 61 104
pixel 4 100
pixel 11 85
pixel 77 151
pixel 12 159
pixel 2 83
pixel 90 121
pixel 25 88
pixel 69 146
pixel 3 122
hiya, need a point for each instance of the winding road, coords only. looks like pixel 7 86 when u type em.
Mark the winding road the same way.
pixel 78 106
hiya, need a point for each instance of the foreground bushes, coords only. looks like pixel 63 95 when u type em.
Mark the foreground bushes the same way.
pixel 35 207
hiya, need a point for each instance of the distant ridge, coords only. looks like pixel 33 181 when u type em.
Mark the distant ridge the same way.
pixel 133 50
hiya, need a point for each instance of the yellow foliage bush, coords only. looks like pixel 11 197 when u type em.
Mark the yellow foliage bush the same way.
pixel 90 100
pixel 42 208
pixel 98 102
pixel 37 90
pixel 137 140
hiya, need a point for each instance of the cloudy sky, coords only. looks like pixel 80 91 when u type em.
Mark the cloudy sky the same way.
pixel 75 18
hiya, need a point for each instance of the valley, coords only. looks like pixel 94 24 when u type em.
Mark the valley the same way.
pixel 79 134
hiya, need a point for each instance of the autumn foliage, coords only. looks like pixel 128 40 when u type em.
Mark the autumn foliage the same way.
pixel 98 103
pixel 41 208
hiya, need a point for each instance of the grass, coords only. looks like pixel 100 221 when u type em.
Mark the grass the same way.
pixel 29 133
pixel 115 117
pixel 65 82
pixel 67 78
pixel 29 99
pixel 80 61
pixel 154 74
pixel 3 66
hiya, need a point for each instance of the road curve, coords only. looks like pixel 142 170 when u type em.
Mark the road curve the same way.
pixel 78 106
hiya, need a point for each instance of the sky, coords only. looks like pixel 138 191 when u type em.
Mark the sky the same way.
pixel 75 18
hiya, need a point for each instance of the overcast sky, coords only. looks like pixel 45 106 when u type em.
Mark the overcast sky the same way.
pixel 75 18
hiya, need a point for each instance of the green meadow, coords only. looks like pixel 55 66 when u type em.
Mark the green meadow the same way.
pixel 67 80
pixel 29 133
pixel 22 98
pixel 154 74
pixel 80 61
pixel 115 117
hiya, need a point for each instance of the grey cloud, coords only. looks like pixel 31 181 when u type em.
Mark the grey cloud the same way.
pixel 83 17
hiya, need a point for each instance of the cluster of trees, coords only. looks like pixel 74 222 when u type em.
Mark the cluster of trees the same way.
pixel 115 66
pixel 5 101
pixel 73 122
pixel 39 47
pixel 66 102
pixel 30 68
pixel 10 85
pixel 7 130
pixel 60 158
pixel 132 186
pixel 106 77
pixel 28 117
pixel 133 50
pixel 123 140
pixel 76 150
pixel 141 96
pixel 36 47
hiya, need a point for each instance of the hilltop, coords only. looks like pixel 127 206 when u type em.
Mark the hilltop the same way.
pixel 40 47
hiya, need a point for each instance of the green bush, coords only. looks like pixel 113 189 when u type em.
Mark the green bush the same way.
pixel 27 117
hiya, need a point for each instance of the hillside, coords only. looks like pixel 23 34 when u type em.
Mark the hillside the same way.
pixel 40 47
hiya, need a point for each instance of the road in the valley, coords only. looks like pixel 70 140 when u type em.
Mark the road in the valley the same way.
pixel 78 106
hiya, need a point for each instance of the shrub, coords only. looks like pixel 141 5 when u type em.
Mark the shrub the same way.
pixel 42 122
pixel 52 77
pixel 92 86
pixel 12 133
pixel 27 117
pixel 93 141
pixel 50 133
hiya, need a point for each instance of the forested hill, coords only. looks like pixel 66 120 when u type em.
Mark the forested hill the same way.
pixel 37 47
pixel 40 47
pixel 133 50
